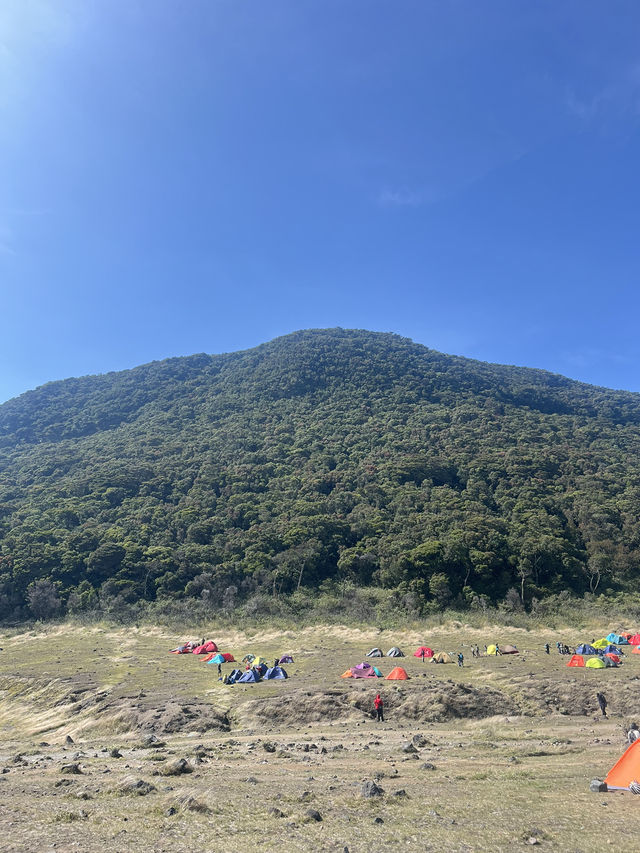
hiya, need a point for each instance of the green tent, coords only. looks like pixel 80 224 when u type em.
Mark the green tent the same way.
pixel 596 663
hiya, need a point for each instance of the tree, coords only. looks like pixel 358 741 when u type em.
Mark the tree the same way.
pixel 43 599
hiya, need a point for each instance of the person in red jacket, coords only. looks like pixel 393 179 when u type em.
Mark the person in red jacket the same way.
pixel 379 708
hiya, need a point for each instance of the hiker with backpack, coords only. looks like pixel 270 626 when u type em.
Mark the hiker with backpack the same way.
pixel 379 708
pixel 602 701
pixel 460 659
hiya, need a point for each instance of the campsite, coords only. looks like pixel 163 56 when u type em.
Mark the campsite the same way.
pixel 495 755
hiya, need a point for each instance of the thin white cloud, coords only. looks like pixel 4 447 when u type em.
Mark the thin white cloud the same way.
pixel 618 99
pixel 401 198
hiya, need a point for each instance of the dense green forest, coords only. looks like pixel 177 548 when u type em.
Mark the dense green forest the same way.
pixel 320 459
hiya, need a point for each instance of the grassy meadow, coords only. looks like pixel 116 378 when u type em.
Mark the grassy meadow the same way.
pixel 505 747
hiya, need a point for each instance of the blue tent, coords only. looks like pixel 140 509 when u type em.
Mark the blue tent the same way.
pixel 377 672
pixel 617 639
pixel 216 659
pixel 276 672
pixel 586 649
pixel 249 677
pixel 612 649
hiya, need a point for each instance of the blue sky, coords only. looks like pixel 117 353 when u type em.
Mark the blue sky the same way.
pixel 203 176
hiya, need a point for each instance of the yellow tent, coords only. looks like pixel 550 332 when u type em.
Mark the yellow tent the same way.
pixel 442 657
pixel 595 663
pixel 258 661
pixel 491 650
pixel 601 644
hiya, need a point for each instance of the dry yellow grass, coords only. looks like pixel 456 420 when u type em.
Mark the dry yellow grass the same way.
pixel 499 780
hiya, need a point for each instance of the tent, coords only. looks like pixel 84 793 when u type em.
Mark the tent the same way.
pixel 618 639
pixel 634 640
pixel 260 668
pixel 377 672
pixel 576 660
pixel 286 659
pixel 275 672
pixel 258 661
pixel 601 644
pixel 611 660
pixel 423 652
pixel 626 769
pixel 248 658
pixel 395 652
pixel 228 657
pixel 611 650
pixel 397 674
pixel 509 650
pixel 248 677
pixel 442 657
pixel 363 670
pixel 595 663
pixel 347 674
pixel 636 651
pixel 375 653
pixel 586 649
pixel 232 677
pixel 491 650
pixel 216 658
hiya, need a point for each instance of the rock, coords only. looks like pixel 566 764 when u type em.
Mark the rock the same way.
pixel 131 785
pixel 151 741
pixel 190 804
pixel 69 739
pixel 268 746
pixel 597 786
pixel 43 743
pixel 369 789
pixel 251 780
pixel 70 769
pixel 171 811
pixel 400 793
pixel 176 767
pixel 427 766
pixel 83 795
pixel 409 747
pixel 378 820
pixel 419 741
pixel 276 813
pixel 115 753
pixel 312 814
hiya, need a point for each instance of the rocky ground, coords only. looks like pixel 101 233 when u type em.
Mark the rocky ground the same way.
pixel 111 744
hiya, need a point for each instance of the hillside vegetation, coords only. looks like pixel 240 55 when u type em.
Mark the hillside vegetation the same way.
pixel 326 459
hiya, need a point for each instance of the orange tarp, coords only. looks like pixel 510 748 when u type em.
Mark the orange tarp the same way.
pixel 397 674
pixel 347 674
pixel 626 769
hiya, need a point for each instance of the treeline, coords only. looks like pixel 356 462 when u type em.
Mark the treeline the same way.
pixel 322 458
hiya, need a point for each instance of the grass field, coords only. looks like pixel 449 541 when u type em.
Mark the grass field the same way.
pixel 508 747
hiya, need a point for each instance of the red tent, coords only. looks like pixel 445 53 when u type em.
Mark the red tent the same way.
pixel 613 657
pixel 634 640
pixel 626 769
pixel 423 652
pixel 228 657
pixel 576 660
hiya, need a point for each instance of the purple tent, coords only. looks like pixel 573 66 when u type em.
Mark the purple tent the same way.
pixel 363 670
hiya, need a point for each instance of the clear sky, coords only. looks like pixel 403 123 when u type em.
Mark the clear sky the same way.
pixel 181 176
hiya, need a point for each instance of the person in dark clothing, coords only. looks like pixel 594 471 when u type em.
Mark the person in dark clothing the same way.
pixel 460 659
pixel 379 708
pixel 219 670
pixel 276 662
pixel 203 641
pixel 602 701
pixel 546 648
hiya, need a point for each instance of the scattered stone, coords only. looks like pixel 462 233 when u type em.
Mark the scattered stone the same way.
pixel 378 820
pixel 176 767
pixel 83 795
pixel 69 739
pixel 251 780
pixel 409 747
pixel 400 793
pixel 597 786
pixel 70 769
pixel 171 811
pixel 190 804
pixel 276 813
pixel 131 785
pixel 531 840
pixel 151 741
pixel 268 746
pixel 43 743
pixel 115 753
pixel 312 814
pixel 369 789
pixel 427 766
pixel 419 741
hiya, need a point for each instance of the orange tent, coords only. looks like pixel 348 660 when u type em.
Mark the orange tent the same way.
pixel 397 674
pixel 613 657
pixel 347 674
pixel 576 660
pixel 626 769
pixel 636 651
pixel 634 640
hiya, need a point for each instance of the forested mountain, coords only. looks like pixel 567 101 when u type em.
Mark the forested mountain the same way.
pixel 322 456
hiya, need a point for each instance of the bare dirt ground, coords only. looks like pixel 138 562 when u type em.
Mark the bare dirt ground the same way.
pixel 109 743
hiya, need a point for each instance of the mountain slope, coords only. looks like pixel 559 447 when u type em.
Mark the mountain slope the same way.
pixel 323 455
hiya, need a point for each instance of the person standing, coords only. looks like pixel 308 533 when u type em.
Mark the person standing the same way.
pixel 378 705
pixel 460 659
pixel 602 701
pixel 546 648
